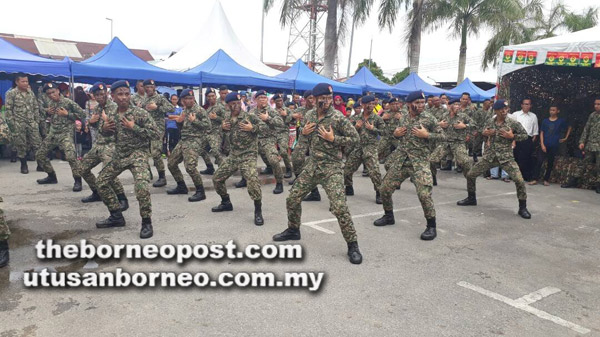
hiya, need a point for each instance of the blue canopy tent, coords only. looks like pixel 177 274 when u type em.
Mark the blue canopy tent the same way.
pixel 220 69
pixel 477 94
pixel 15 60
pixel 413 83
pixel 365 79
pixel 305 79
pixel 117 62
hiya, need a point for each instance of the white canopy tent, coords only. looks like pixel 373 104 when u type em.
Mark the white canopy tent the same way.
pixel 556 51
pixel 215 34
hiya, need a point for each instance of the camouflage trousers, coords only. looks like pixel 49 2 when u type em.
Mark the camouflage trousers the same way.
pixel 204 151
pixel 4 230
pixel 137 164
pixel 247 166
pixel 384 148
pixel 186 151
pixel 420 175
pixel 283 140
pixel 267 149
pixel 99 154
pixel 156 147
pixel 368 157
pixel 588 159
pixel 65 143
pixel 215 139
pixel 509 166
pixel 299 156
pixel 477 144
pixel 25 136
pixel 459 151
pixel 332 180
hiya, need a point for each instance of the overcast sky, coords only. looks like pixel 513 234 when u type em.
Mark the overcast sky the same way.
pixel 162 27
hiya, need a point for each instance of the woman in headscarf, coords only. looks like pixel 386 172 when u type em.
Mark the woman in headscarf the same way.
pixel 338 104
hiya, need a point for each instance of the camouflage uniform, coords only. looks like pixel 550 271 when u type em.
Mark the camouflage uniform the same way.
pixel 22 112
pixel 61 135
pixel 301 146
pixel 411 160
pixel 454 143
pixel 365 152
pixel 190 145
pixel 244 151
pixel 283 137
pixel 324 166
pixel 132 152
pixel 102 150
pixel 498 151
pixel 480 117
pixel 267 140
pixel 472 113
pixel 591 138
pixel 44 121
pixel 215 134
pixel 387 141
pixel 4 230
pixel 137 100
pixel 158 115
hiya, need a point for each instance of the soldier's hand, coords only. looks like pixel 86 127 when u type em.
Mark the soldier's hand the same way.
pixel 246 126
pixel 297 116
pixel 283 113
pixel 400 131
pixel 192 117
pixel 386 116
pixel 359 124
pixel 308 128
pixel 468 139
pixel 369 126
pixel 327 134
pixel 226 125
pixel 460 125
pixel 264 116
pixel 489 132
pixel 212 115
pixel 95 118
pixel 51 110
pixel 181 117
pixel 506 134
pixel 108 126
pixel 581 146
pixel 513 144
pixel 398 115
pixel 420 132
pixel 62 112
pixel 128 123
pixel 443 124
pixel 151 107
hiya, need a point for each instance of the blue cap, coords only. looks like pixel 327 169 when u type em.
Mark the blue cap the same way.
pixel 210 91
pixel 307 94
pixel 119 84
pixel 260 93
pixel 454 100
pixel 186 93
pixel 322 89
pixel 277 96
pixel 415 95
pixel 49 86
pixel 393 100
pixel 232 96
pixel 149 82
pixel 243 93
pixel 367 99
pixel 500 104
pixel 97 87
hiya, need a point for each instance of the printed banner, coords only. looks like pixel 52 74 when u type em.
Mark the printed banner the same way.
pixel 521 55
pixel 508 56
pixel 573 60
pixel 531 58
pixel 586 59
pixel 562 58
pixel 551 58
pixel 597 65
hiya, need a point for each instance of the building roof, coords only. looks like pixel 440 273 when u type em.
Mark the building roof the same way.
pixel 58 48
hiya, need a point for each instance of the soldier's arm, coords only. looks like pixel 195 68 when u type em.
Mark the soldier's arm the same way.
pixel 257 124
pixel 145 127
pixel 75 111
pixel 9 106
pixel 274 121
pixel 519 132
pixel 378 126
pixel 346 135
pixel 586 130
pixel 435 130
pixel 36 108
pixel 201 122
pixel 165 106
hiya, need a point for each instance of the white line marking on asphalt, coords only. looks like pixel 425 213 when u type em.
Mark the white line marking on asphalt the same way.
pixel 521 304
pixel 459 234
pixel 313 224
pixel 537 295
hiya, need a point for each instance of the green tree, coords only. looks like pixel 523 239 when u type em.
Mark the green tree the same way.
pixel 400 76
pixel 575 22
pixel 374 68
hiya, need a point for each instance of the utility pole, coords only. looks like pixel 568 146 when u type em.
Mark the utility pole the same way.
pixel 111 28
pixel 262 34
pixel 370 52
pixel 351 42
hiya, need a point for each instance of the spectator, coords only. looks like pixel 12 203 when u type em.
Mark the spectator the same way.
pixel 80 139
pixel 524 149
pixel 338 104
pixel 173 132
pixel 550 139
pixel 81 97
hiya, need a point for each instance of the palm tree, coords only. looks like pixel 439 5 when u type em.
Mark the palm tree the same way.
pixel 467 17
pixel 555 20
pixel 588 19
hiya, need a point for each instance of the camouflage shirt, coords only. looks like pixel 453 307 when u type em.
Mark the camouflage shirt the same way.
pixel 438 112
pixel 163 107
pixel 591 133
pixel 498 147
pixel 127 141
pixel 137 99
pixel 109 110
pixel 287 120
pixel 273 123
pixel 457 135
pixel 243 143
pixel 64 124
pixel 369 137
pixel 197 129
pixel 221 112
pixel 415 148
pixel 21 106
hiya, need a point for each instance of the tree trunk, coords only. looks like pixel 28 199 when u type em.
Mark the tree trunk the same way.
pixel 462 57
pixel 331 42
pixel 415 36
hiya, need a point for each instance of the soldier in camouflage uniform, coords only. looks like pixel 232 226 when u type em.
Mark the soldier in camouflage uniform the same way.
pixel 158 107
pixel 411 160
pixel 194 124
pixel 327 131
pixel 44 106
pixel 4 235
pixel 133 129
pixel 216 113
pixel 386 143
pixel 437 110
pixel 283 133
pixel 457 127
pixel 267 137
pixel 480 117
pixel 140 94
pixel 589 144
pixel 499 134
pixel 103 148
pixel 369 127
pixel 22 113
pixel 64 112
pixel 243 130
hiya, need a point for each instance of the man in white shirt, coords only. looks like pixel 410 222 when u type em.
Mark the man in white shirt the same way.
pixel 524 149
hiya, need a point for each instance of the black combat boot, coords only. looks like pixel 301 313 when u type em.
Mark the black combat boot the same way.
pixel 241 183
pixel 50 179
pixel 378 198
pixel 92 198
pixel 349 190
pixel 24 168
pixel 288 234
pixel 146 232
pixel 278 188
pixel 162 180
pixel 38 168
pixel 365 172
pixel 354 254
pixel 434 179
pixel 199 195
pixel 386 219
pixel 267 170
pixel 123 202
pixel 115 219
pixel 181 188
pixel 225 205
pixel 210 169
pixel 429 233
pixel 258 218
pixel 13 156
pixel 470 200
pixel 523 212
pixel 458 169
pixel 77 185
pixel 288 173
pixel 4 256
pixel 447 167
pixel 314 195
pixel 571 182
